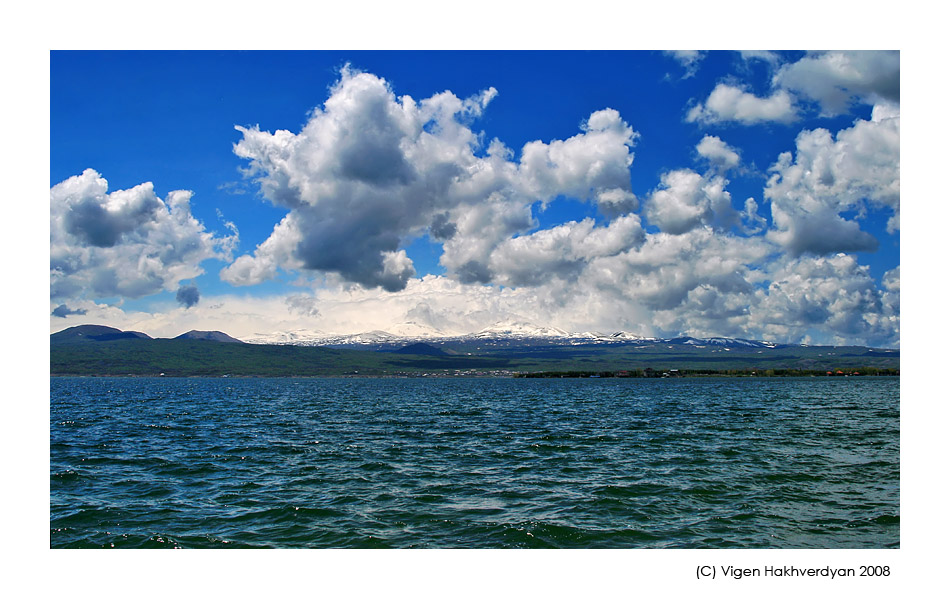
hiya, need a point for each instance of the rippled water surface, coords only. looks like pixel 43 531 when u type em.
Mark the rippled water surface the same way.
pixel 639 463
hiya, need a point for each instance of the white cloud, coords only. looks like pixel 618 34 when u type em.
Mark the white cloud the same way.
pixel 562 252
pixel 586 164
pixel 702 284
pixel 728 103
pixel 616 202
pixel 480 228
pixel 277 250
pixel 754 222
pixel 891 300
pixel 833 297
pixel 831 175
pixel 686 200
pixel 661 272
pixel 370 171
pixel 816 228
pixel 837 79
pixel 892 279
pixel 767 56
pixel 718 153
pixel 834 80
pixel 127 243
pixel 688 59
pixel 610 278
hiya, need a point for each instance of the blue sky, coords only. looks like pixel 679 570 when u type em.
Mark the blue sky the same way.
pixel 714 193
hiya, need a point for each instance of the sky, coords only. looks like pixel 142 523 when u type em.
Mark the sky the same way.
pixel 751 194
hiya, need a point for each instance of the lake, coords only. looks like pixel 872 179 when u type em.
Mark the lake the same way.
pixel 475 462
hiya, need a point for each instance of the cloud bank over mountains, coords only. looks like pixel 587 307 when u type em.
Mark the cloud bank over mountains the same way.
pixel 371 171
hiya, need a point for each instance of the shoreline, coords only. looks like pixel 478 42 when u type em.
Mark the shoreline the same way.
pixel 518 375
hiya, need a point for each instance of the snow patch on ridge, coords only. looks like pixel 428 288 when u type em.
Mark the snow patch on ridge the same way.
pixel 500 332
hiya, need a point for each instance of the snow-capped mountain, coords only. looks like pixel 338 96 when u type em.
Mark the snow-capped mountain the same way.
pixel 510 329
pixel 303 337
pixel 625 336
pixel 720 342
pixel 505 333
pixel 295 337
pixel 416 330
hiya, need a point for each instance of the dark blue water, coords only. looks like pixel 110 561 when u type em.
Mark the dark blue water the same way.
pixel 688 463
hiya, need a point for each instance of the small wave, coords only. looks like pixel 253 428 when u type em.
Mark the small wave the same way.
pixel 544 535
pixel 372 542
pixel 66 476
pixel 634 490
pixel 557 437
pixel 887 519
pixel 162 541
pixel 375 466
pixel 428 498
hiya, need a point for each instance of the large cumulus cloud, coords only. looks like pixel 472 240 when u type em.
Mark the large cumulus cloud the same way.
pixel 686 200
pixel 564 251
pixel 830 175
pixel 827 299
pixel 371 170
pixel 660 273
pixel 127 243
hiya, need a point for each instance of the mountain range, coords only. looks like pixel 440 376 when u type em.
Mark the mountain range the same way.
pixel 95 332
pixel 499 350
pixel 506 334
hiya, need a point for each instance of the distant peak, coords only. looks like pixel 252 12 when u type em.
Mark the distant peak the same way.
pixel 209 336
pixel 521 329
pixel 93 332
